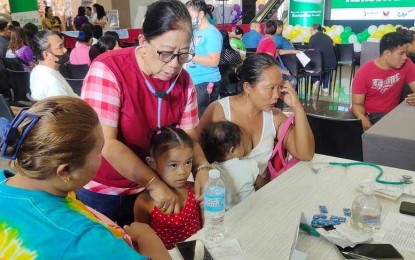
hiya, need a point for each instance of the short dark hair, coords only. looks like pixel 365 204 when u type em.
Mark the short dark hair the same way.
pixel 113 34
pixel 270 27
pixel 167 138
pixel 97 31
pixel 392 40
pixel 89 8
pixel 279 23
pixel 238 31
pixel 253 66
pixel 15 23
pixel 47 9
pixel 40 43
pixel 218 138
pixel 166 15
pixel 3 25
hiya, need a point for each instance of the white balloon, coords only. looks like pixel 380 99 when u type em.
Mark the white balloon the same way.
pixel 352 38
pixel 412 28
pixel 357 47
pixel 339 29
pixel 297 26
pixel 234 13
pixel 372 29
pixel 381 27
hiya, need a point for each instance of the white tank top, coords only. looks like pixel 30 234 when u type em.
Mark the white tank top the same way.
pixel 262 152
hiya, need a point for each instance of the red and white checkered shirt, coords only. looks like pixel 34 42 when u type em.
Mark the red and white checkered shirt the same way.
pixel 102 92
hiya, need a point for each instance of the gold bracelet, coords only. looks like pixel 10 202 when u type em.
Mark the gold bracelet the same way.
pixel 203 165
pixel 148 184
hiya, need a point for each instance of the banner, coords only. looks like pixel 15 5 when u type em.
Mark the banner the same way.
pixel 306 12
pixel 372 10
pixel 25 12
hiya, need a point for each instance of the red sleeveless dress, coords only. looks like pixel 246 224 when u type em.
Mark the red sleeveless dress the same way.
pixel 177 227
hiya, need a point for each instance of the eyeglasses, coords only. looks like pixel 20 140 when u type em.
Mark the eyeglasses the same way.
pixel 167 56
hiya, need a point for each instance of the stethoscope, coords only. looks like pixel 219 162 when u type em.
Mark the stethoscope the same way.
pixel 317 167
pixel 159 94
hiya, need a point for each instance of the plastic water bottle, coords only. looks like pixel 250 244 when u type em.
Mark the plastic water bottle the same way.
pixel 214 204
pixel 366 212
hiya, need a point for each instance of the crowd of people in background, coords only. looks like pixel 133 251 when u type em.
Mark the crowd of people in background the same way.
pixel 186 99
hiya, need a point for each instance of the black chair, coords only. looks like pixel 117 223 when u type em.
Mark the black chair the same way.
pixel 5 88
pixel 5 110
pixel 345 54
pixel 76 85
pixel 77 71
pixel 405 92
pixel 18 80
pixel 312 69
pixel 291 63
pixel 300 46
pixel 337 137
pixel 228 87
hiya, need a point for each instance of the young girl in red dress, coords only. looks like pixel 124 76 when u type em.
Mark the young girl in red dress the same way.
pixel 171 155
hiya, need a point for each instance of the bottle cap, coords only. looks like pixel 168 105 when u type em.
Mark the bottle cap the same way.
pixel 214 174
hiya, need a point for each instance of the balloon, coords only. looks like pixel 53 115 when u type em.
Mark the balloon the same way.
pixel 345 41
pixel 389 28
pixel 239 12
pixel 236 7
pixel 397 26
pixel 361 37
pixel 337 39
pixel 357 47
pixel 234 13
pixel 344 35
pixel 348 29
pixel 297 26
pixel 352 38
pixel 339 29
pixel 381 27
pixel 372 29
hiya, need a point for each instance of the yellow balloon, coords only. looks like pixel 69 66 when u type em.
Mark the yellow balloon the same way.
pixel 337 39
pixel 389 28
pixel 307 39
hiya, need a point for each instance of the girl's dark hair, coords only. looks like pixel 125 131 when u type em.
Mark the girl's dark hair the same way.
pixel 318 27
pixel 85 33
pixel 166 15
pixel 97 31
pixel 81 11
pixel 253 67
pixel 114 35
pixel 100 12
pixel 105 43
pixel 218 138
pixel 226 43
pixel 408 33
pixel 30 30
pixel 270 27
pixel 200 5
pixel 167 138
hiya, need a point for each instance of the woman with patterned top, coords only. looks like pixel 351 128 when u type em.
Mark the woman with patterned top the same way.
pixel 171 155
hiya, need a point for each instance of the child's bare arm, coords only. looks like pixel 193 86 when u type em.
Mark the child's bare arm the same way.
pixel 260 182
pixel 142 207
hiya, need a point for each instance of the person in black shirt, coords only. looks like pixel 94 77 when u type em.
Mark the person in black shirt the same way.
pixel 324 43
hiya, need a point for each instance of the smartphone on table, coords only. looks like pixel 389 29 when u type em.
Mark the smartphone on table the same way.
pixel 407 208
pixel 193 250
pixel 371 251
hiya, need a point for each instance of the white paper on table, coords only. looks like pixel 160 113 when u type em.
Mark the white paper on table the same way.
pixel 294 253
pixel 398 230
pixel 304 59
pixel 229 250
pixel 344 235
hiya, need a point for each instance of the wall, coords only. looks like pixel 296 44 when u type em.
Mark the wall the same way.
pixel 123 7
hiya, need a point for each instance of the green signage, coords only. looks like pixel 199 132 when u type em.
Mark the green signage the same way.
pixel 306 12
pixel 17 6
pixel 371 3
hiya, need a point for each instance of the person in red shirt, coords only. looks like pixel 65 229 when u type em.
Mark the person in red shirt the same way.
pixel 378 84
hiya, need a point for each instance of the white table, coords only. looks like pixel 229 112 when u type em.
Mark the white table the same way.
pixel 391 141
pixel 265 224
